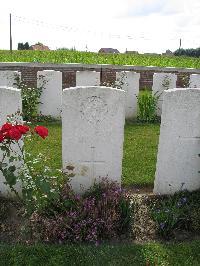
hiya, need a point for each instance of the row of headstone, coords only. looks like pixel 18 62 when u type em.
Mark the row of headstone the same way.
pixel 51 98
pixel 129 79
pixel 125 80
pixel 51 81
pixel 167 81
pixel 93 132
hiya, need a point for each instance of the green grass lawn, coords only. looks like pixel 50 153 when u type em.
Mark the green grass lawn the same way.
pixel 140 154
pixel 140 150
pixel 95 58
pixel 184 254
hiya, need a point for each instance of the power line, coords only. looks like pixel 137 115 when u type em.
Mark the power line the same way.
pixel 74 29
pixel 83 30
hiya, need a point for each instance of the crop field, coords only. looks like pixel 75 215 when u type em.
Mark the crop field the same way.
pixel 67 56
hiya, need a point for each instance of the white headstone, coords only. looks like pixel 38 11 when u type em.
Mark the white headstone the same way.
pixel 87 78
pixel 178 160
pixel 10 103
pixel 194 81
pixel 161 82
pixel 129 82
pixel 9 78
pixel 92 134
pixel 51 97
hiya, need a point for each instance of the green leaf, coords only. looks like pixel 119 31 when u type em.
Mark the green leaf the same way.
pixel 10 177
pixel 12 168
pixel 45 187
pixel 12 158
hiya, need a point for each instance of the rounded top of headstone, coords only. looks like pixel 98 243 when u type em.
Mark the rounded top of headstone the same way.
pixel 163 74
pixel 91 71
pixel 9 88
pixel 93 88
pixel 194 75
pixel 183 90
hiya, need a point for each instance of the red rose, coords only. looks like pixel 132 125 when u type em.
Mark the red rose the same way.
pixel 41 131
pixel 14 133
pixel 6 127
pixel 1 137
pixel 23 129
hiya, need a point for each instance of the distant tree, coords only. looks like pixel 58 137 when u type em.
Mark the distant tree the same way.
pixel 67 49
pixel 39 43
pixel 26 46
pixel 62 48
pixel 22 46
pixel 188 52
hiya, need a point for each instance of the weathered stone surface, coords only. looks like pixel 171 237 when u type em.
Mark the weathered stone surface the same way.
pixel 87 78
pixel 161 82
pixel 194 81
pixel 93 133
pixel 10 103
pixel 9 78
pixel 129 82
pixel 51 97
pixel 178 161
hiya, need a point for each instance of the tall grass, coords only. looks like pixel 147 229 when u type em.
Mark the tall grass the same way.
pixel 147 104
pixel 95 58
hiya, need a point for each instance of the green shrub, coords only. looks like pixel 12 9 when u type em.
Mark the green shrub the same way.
pixel 195 219
pixel 178 211
pixel 194 211
pixel 30 99
pixel 147 104
pixel 169 213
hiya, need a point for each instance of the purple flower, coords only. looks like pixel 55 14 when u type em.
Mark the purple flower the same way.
pixel 97 243
pixel 184 200
pixel 162 225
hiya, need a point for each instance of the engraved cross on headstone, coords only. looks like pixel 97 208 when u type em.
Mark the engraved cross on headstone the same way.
pixel 93 162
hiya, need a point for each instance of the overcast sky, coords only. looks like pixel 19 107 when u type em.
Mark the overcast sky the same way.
pixel 141 25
